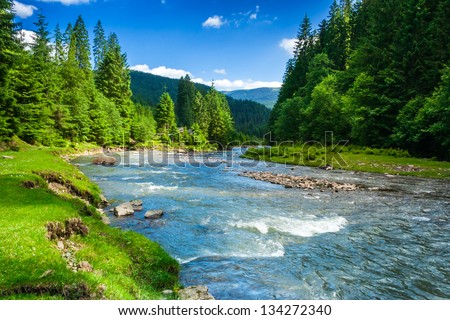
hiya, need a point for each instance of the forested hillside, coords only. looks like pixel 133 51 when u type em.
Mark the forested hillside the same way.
pixel 50 94
pixel 147 88
pixel 250 118
pixel 375 72
pixel 53 93
pixel 265 96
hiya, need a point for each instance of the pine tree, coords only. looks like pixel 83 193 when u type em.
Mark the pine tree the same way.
pixel 82 46
pixel 8 53
pixel 165 115
pixel 221 121
pixel 296 69
pixel 59 55
pixel 185 100
pixel 100 44
pixel 41 49
pixel 67 35
pixel 113 80
pixel 337 37
pixel 201 113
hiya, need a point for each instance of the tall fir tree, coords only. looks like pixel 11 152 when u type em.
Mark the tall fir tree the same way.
pixel 82 46
pixel 59 52
pixel 185 100
pixel 8 54
pixel 165 115
pixel 113 80
pixel 100 44
pixel 296 69
pixel 41 45
pixel 221 121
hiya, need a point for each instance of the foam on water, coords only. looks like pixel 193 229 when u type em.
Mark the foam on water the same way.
pixel 131 178
pixel 296 227
pixel 259 248
pixel 150 187
pixel 421 219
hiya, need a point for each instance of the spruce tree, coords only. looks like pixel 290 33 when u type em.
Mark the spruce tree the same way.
pixel 221 121
pixel 165 115
pixel 185 100
pixel 100 44
pixel 8 53
pixel 41 49
pixel 82 46
pixel 59 54
pixel 113 80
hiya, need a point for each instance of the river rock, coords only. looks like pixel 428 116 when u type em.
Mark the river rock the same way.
pixel 195 293
pixel 104 160
pixel 137 205
pixel 103 200
pixel 125 209
pixel 154 214
pixel 306 183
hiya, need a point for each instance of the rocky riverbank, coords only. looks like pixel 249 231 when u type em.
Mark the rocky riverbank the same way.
pixel 307 183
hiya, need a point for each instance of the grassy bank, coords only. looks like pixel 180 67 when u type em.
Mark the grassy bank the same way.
pixel 384 161
pixel 84 259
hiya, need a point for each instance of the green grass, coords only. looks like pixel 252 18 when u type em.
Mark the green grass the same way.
pixel 126 265
pixel 384 161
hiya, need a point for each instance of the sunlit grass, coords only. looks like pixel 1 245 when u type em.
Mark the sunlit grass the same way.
pixel 394 162
pixel 125 265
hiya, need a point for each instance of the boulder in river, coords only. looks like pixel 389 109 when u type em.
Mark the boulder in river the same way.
pixel 104 160
pixel 195 293
pixel 137 205
pixel 125 209
pixel 154 214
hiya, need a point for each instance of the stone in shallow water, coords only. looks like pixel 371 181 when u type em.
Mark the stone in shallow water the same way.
pixel 136 203
pixel 125 209
pixel 154 214
pixel 195 293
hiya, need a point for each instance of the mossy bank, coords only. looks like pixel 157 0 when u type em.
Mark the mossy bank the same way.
pixel 55 245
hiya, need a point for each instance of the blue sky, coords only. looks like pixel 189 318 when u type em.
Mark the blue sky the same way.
pixel 238 44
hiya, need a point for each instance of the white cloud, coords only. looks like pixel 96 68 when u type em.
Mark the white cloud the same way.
pixel 163 1
pixel 161 71
pixel 288 45
pixel 26 37
pixel 69 2
pixel 228 85
pixel 23 10
pixel 221 85
pixel 253 16
pixel 214 22
pixel 220 71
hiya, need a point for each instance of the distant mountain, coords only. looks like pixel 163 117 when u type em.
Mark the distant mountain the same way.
pixel 249 117
pixel 265 96
pixel 147 88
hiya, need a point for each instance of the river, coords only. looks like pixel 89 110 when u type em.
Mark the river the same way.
pixel 248 239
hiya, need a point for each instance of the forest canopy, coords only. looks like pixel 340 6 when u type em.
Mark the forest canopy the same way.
pixel 375 72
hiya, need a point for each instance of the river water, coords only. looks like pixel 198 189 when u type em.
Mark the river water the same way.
pixel 247 239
